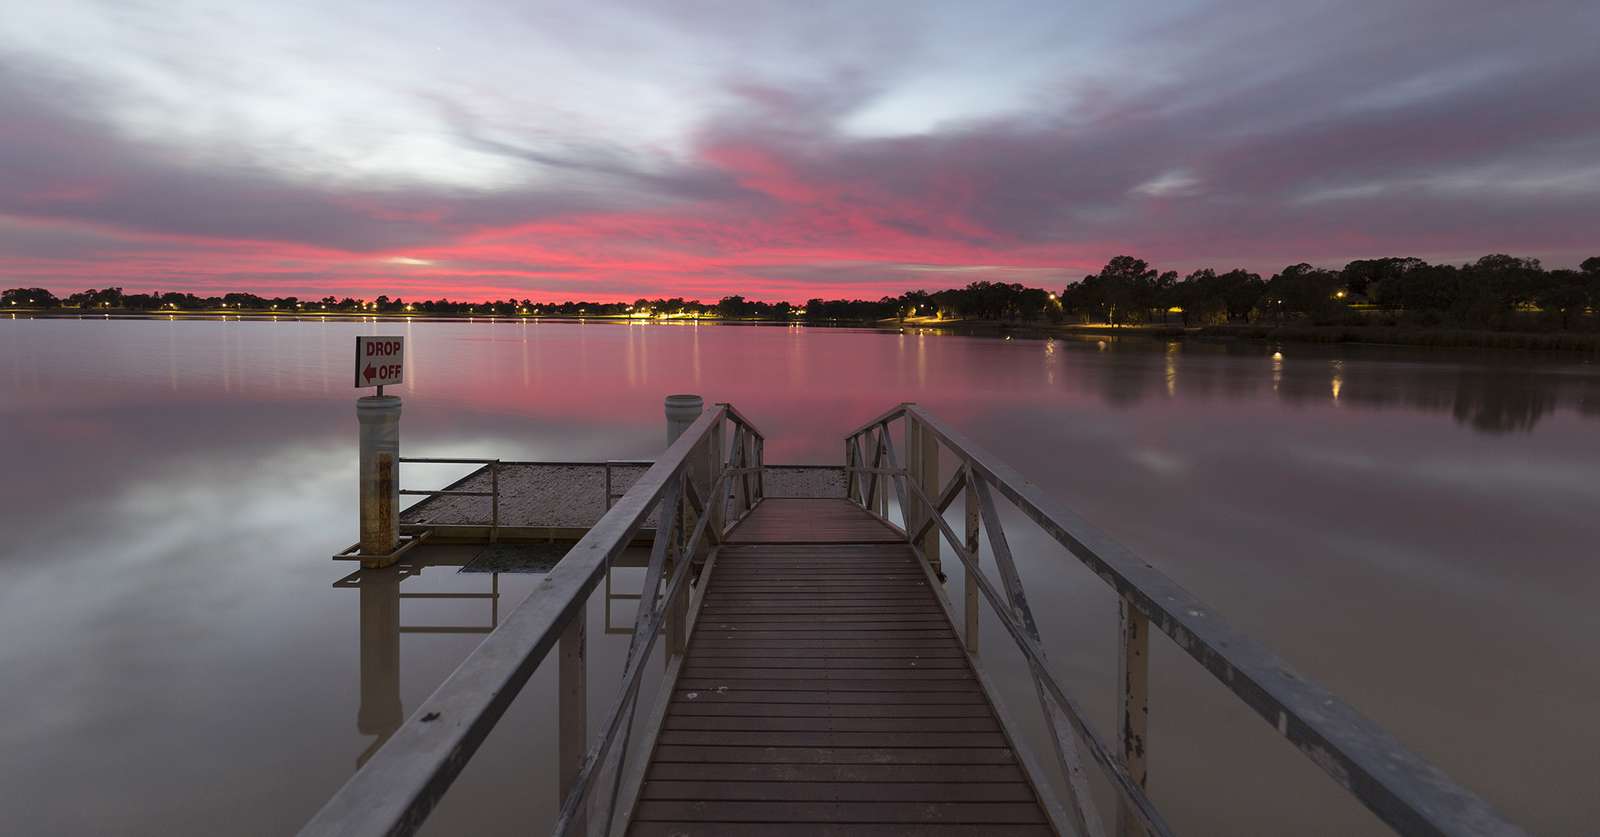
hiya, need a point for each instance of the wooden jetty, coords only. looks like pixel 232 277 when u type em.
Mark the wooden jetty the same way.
pixel 817 680
pixel 824 685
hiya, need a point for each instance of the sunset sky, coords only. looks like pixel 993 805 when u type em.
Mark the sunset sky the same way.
pixel 611 150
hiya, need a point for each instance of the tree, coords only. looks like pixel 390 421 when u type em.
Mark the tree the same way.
pixel 28 298
pixel 1123 292
pixel 1360 276
pixel 733 307
pixel 1564 297
pixel 1304 291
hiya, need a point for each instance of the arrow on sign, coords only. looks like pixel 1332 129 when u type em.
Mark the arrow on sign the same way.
pixel 370 372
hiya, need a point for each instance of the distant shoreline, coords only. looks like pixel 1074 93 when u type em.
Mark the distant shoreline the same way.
pixel 1258 332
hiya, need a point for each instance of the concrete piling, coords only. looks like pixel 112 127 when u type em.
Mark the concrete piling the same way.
pixel 681 411
pixel 379 477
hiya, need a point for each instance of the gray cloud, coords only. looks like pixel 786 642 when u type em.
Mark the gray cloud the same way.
pixel 1245 133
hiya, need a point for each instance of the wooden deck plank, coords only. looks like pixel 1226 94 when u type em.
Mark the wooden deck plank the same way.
pixel 838 791
pixel 791 521
pixel 745 722
pixel 834 755
pixel 972 813
pixel 911 649
pixel 853 698
pixel 689 708
pixel 769 829
pixel 825 692
pixel 862 773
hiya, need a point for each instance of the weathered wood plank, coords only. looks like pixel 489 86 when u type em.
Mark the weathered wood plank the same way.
pixel 690 708
pixel 914 740
pixel 835 755
pixel 838 791
pixel 826 639
pixel 836 664
pixel 850 684
pixel 710 772
pixel 747 723
pixel 825 692
pixel 786 694
pixel 907 649
pixel 700 670
pixel 840 812
pixel 769 829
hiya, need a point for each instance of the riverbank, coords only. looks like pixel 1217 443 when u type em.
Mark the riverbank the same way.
pixel 1377 335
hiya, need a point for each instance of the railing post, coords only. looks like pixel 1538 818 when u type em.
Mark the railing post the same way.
pixel 748 457
pixel 913 465
pixel 971 586
pixel 850 492
pixel 882 483
pixel 741 498
pixel 1133 687
pixel 681 411
pixel 716 501
pixel 761 466
pixel 379 478
pixel 922 463
pixel 677 612
pixel 494 501
pixel 572 696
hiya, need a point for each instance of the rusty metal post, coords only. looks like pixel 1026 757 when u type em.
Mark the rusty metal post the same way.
pixel 572 699
pixel 379 478
pixel 1133 686
pixel 971 586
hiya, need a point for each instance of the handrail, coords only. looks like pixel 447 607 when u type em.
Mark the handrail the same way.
pixel 397 789
pixel 1406 792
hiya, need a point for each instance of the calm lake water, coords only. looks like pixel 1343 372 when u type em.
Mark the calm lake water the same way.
pixel 1415 529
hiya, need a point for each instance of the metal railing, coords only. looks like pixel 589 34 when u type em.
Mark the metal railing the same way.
pixel 689 488
pixel 612 495
pixel 493 493
pixel 1404 791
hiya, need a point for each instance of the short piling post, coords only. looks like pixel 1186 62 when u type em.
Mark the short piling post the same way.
pixel 681 412
pixel 379 477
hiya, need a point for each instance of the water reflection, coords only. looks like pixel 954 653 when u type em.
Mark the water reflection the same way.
pixel 381 710
pixel 152 659
pixel 1489 392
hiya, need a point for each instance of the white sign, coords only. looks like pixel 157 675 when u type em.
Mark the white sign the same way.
pixel 380 361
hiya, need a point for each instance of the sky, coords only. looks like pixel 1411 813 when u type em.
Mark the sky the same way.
pixel 782 150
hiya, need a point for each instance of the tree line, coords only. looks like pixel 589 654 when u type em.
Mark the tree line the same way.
pixel 1494 292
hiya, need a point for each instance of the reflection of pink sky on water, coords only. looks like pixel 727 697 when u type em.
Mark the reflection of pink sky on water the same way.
pixel 165 575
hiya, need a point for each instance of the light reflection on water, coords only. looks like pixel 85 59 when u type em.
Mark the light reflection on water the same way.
pixel 1413 528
